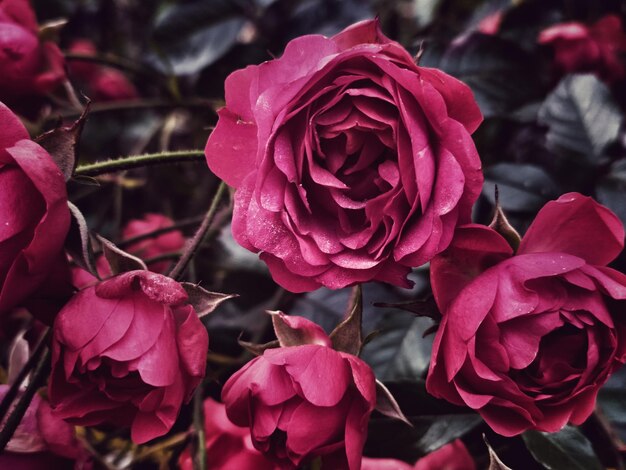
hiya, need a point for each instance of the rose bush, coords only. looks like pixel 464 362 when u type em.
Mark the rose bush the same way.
pixel 227 446
pixel 452 456
pixel 29 66
pixel 34 217
pixel 595 48
pixel 304 401
pixel 128 351
pixel 351 163
pixel 527 339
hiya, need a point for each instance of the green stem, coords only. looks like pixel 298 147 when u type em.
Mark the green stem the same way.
pixel 111 61
pixel 178 270
pixel 142 104
pixel 38 379
pixel 199 460
pixel 137 161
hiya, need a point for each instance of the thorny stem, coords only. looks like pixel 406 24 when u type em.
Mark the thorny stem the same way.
pixel 179 269
pixel 137 161
pixel 126 105
pixel 38 378
pixel 15 386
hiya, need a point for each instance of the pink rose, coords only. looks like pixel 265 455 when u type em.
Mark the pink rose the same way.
pixel 29 67
pixel 304 401
pixel 34 217
pixel 169 242
pixel 452 456
pixel 581 48
pixel 43 441
pixel 227 446
pixel 100 83
pixel 350 162
pixel 528 338
pixel 127 351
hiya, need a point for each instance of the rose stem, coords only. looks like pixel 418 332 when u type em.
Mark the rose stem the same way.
pixel 199 458
pixel 37 380
pixel 179 269
pixel 137 161
pixel 15 386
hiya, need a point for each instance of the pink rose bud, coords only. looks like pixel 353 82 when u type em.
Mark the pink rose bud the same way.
pixel 169 242
pixel 34 217
pixel 581 48
pixel 528 338
pixel 128 351
pixel 304 401
pixel 227 446
pixel 350 162
pixel 29 67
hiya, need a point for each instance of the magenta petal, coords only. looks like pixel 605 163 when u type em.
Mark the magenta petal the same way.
pixel 159 365
pixel 231 148
pixel 192 339
pixel 576 225
pixel 310 365
pixel 292 330
pixel 312 427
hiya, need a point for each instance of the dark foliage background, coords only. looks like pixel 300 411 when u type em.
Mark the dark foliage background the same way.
pixel 543 135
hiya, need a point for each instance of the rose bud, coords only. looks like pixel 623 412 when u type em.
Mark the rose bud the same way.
pixel 101 83
pixel 169 242
pixel 127 351
pixel 528 338
pixel 452 456
pixel 304 401
pixel 42 440
pixel 350 162
pixel 34 217
pixel 227 446
pixel 581 48
pixel 29 67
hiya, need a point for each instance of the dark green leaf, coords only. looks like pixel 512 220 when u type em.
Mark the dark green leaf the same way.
pixel 190 53
pixel 522 187
pixel 567 449
pixel 582 117
pixel 501 75
pixel 611 190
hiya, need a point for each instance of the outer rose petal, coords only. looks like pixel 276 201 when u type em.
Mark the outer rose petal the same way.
pixel 453 456
pixel 577 225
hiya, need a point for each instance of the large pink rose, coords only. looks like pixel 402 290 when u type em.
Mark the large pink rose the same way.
pixel 304 401
pixel 29 67
pixel 528 338
pixel 227 446
pixel 34 217
pixel 581 48
pixel 128 351
pixel 350 162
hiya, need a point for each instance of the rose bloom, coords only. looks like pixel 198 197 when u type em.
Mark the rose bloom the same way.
pixel 350 162
pixel 34 217
pixel 101 83
pixel 452 456
pixel 304 401
pixel 42 441
pixel 581 48
pixel 227 446
pixel 528 338
pixel 169 242
pixel 127 351
pixel 29 67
